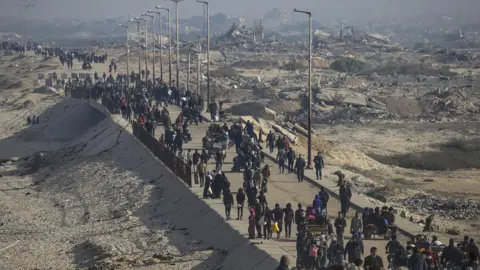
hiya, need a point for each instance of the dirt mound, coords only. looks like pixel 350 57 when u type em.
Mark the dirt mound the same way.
pixel 404 107
pixel 285 106
pixel 254 64
pixel 302 64
pixel 64 122
pixel 407 69
pixel 59 125
pixel 224 72
pixel 454 155
pixel 45 90
pixel 252 108
pixel 28 104
pixel 15 85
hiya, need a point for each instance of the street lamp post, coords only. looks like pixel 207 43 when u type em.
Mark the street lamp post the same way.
pixel 146 46
pixel 309 85
pixel 161 45
pixel 208 48
pixel 177 47
pixel 23 10
pixel 139 53
pixel 128 54
pixel 169 45
pixel 154 37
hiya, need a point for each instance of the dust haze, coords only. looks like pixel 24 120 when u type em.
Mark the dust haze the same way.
pixel 366 10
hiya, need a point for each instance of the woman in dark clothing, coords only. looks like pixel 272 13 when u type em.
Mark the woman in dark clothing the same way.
pixel 269 220
pixel 252 221
pixel 228 202
pixel 278 214
pixel 289 215
pixel 240 203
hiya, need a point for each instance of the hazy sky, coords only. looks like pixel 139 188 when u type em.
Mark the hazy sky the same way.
pixel 322 9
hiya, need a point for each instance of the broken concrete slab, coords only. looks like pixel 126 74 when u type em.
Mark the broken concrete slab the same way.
pixel 252 108
pixel 41 76
pixel 333 96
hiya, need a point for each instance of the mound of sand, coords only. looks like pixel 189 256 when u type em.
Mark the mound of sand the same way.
pixel 14 85
pixel 301 64
pixel 252 108
pixel 28 104
pixel 62 123
pixel 45 90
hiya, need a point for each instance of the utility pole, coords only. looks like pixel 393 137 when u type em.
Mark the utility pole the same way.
pixel 198 74
pixel 177 47
pixel 309 85
pixel 169 45
pixel 153 37
pixel 208 48
pixel 128 54
pixel 146 55
pixel 161 46
pixel 23 11
pixel 139 53
pixel 188 72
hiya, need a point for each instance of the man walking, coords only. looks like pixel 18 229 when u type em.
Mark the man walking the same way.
pixel 281 155
pixel 319 164
pixel 300 165
pixel 345 197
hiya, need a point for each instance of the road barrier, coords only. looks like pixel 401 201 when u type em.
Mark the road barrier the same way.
pixel 175 163
pixel 110 105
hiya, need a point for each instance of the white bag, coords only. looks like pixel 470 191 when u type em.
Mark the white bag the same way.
pixel 216 118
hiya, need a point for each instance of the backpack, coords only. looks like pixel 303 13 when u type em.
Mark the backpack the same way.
pixel 313 251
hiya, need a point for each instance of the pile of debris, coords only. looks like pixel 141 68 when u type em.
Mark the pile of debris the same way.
pixel 443 207
pixel 450 101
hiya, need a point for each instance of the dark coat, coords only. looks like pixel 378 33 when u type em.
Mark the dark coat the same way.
pixel 417 262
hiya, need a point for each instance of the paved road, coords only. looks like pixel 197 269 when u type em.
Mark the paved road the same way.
pixel 282 189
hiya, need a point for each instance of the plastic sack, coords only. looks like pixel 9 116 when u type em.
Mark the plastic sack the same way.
pixel 275 228
pixel 313 251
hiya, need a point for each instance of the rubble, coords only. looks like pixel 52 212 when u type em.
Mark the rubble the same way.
pixel 446 208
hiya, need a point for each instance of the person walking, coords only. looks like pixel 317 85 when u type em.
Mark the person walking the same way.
pixel 228 202
pixel 319 164
pixel 300 165
pixel 289 216
pixel 291 159
pixel 240 203
pixel 281 156
pixel 345 197
pixel 340 225
pixel 278 214
pixel 356 226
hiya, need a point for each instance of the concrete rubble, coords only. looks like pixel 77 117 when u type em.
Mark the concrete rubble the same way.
pixel 444 207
